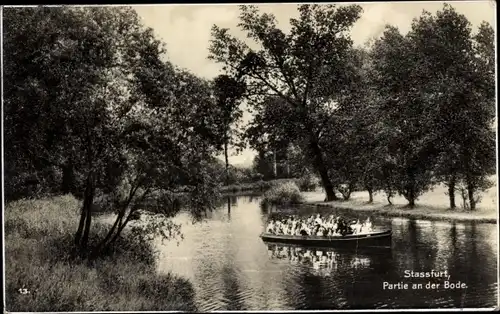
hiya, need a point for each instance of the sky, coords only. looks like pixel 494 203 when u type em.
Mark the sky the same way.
pixel 186 30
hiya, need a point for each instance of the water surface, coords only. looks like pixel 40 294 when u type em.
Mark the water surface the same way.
pixel 231 268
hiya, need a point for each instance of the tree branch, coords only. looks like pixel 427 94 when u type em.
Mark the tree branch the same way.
pixel 273 88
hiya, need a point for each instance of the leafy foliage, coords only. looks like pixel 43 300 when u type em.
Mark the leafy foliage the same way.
pixel 295 74
pixel 432 86
pixel 108 117
pixel 287 193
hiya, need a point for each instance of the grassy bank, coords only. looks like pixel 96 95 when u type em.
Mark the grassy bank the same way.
pixel 432 205
pixel 37 244
pixel 419 212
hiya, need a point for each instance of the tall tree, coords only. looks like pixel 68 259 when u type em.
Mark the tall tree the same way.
pixel 405 112
pixel 457 83
pixel 271 131
pixel 72 65
pixel 229 92
pixel 108 107
pixel 304 68
pixel 346 138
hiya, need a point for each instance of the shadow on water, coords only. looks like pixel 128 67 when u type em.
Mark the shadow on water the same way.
pixel 231 290
pixel 231 267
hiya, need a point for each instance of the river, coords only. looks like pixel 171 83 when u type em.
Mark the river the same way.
pixel 231 268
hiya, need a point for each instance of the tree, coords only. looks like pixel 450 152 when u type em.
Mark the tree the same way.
pixel 31 68
pixel 457 83
pixel 77 51
pixel 271 131
pixel 348 136
pixel 481 153
pixel 304 68
pixel 229 92
pixel 403 107
pixel 435 95
pixel 263 164
pixel 122 119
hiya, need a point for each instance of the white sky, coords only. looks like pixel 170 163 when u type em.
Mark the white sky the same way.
pixel 186 29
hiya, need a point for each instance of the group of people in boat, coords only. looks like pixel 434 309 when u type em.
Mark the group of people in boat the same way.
pixel 318 226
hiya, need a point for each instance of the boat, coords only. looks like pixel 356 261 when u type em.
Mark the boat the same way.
pixel 379 239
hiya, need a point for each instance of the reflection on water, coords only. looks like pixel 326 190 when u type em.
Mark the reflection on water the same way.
pixel 231 268
pixel 323 262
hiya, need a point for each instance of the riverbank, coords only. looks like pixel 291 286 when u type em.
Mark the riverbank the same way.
pixel 304 183
pixel 418 212
pixel 258 186
pixel 432 205
pixel 41 276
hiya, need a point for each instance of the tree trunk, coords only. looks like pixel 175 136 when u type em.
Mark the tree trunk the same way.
pixel 389 198
pixel 88 203
pixel 120 229
pixel 410 195
pixel 112 236
pixel 411 201
pixel 98 249
pixel 370 195
pixel 410 192
pixel 119 219
pixel 226 157
pixel 83 214
pixel 81 224
pixel 323 172
pixel 287 169
pixel 229 207
pixel 471 189
pixel 451 191
pixel 275 165
pixel 108 236
pixel 68 178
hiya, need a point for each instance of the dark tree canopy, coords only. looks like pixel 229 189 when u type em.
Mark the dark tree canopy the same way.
pixel 305 68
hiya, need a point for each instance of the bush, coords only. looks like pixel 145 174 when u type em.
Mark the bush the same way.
pixel 286 193
pixel 307 183
pixel 39 235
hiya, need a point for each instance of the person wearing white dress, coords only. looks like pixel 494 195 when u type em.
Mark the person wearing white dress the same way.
pixel 322 231
pixel 368 225
pixel 356 228
pixel 359 227
pixel 277 227
pixel 285 229
pixel 304 230
pixel 318 220
pixel 270 227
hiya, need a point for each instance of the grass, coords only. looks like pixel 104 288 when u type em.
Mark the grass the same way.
pixel 432 205
pixel 286 193
pixel 38 241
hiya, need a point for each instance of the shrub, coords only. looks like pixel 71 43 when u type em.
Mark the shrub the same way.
pixel 307 183
pixel 286 193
